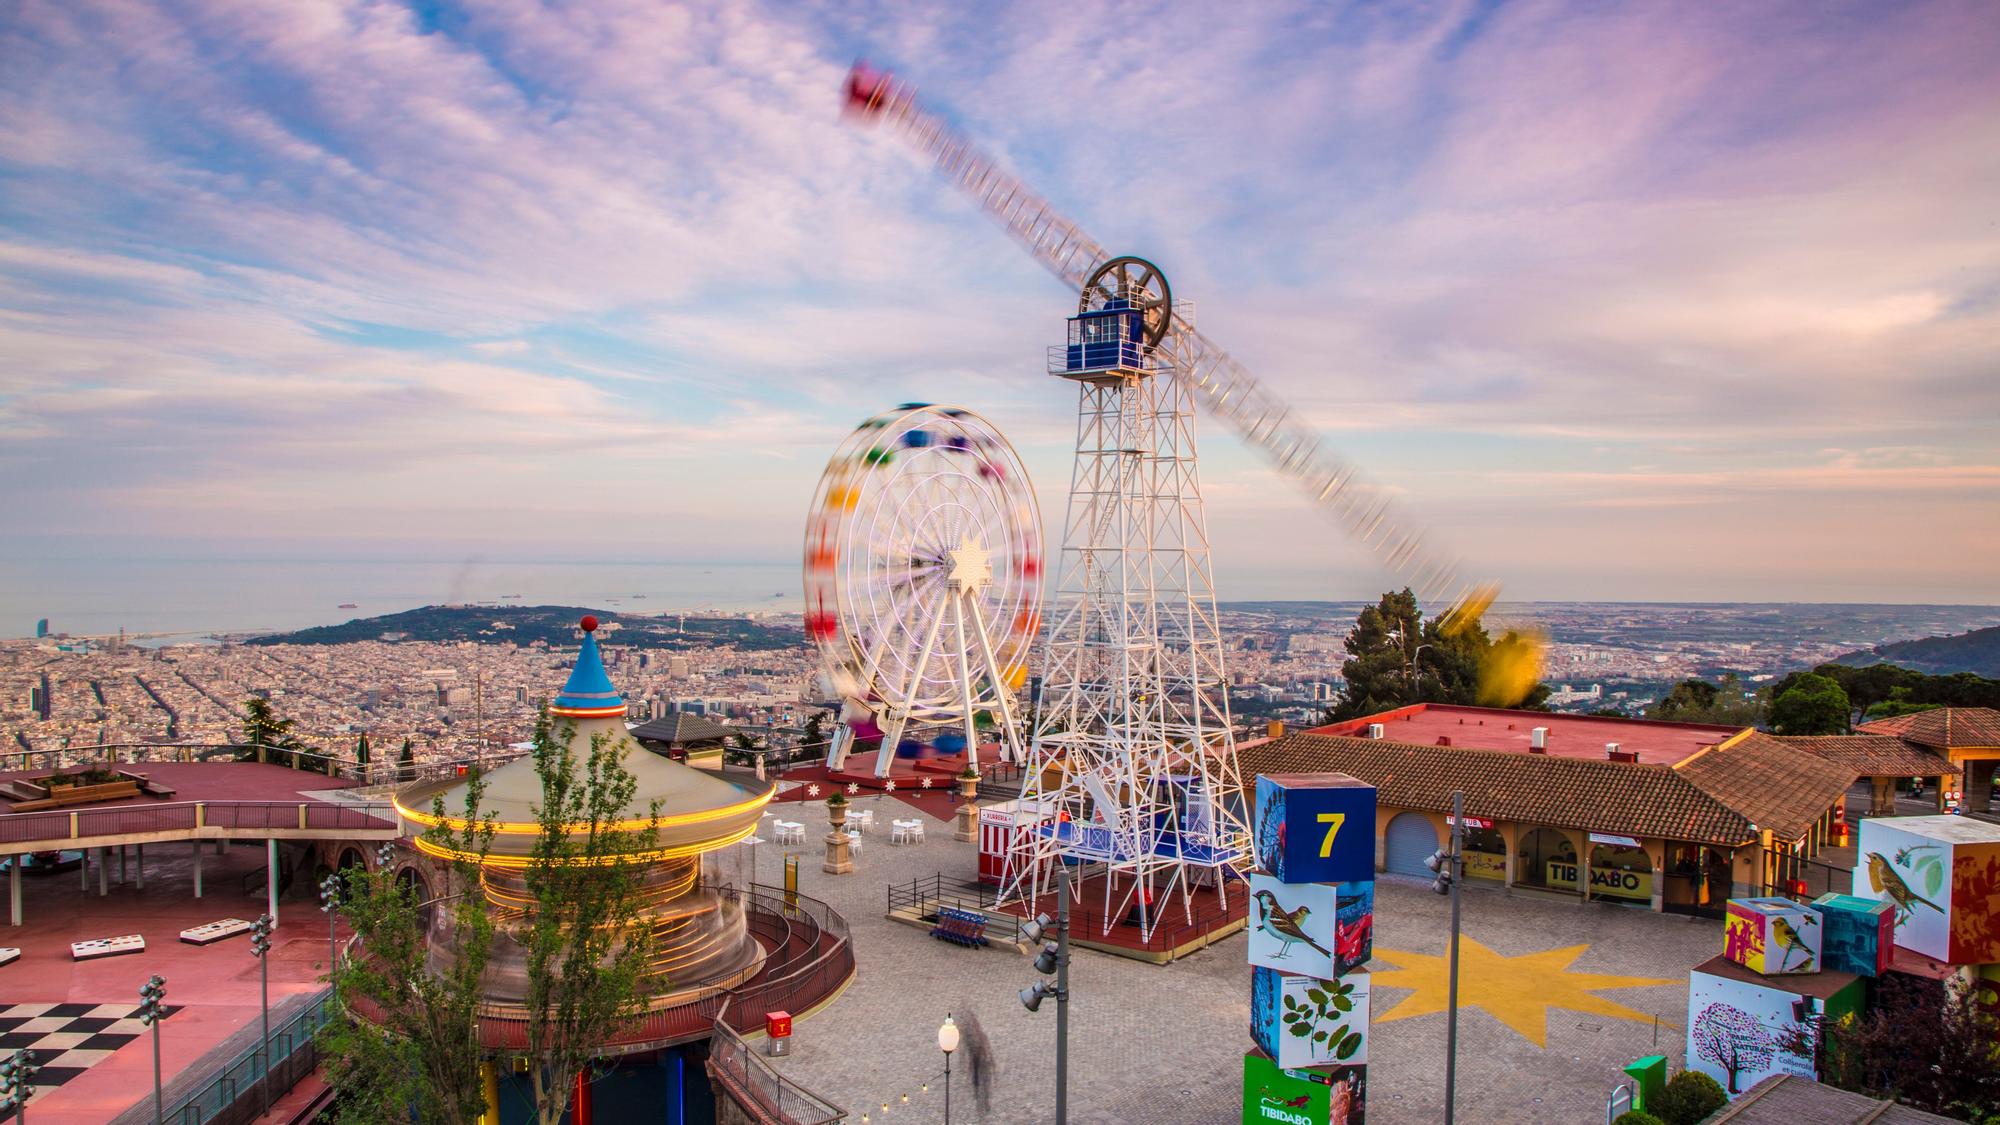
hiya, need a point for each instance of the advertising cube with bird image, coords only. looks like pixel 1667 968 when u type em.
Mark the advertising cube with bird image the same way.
pixel 1332 1095
pixel 1857 934
pixel 1942 876
pixel 1315 828
pixel 1312 929
pixel 1306 1021
pixel 1772 936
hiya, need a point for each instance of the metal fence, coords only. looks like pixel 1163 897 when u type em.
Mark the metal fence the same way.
pixel 384 770
pixel 229 1096
pixel 185 816
pixel 749 1078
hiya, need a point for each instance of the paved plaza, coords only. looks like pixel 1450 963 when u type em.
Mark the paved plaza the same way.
pixel 1164 1044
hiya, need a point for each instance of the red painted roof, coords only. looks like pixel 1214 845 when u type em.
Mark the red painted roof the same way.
pixel 208 781
pixel 1570 736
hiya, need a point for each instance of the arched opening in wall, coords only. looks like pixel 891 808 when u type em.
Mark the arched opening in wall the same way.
pixel 1485 852
pixel 1410 839
pixel 351 862
pixel 1621 873
pixel 409 879
pixel 1547 860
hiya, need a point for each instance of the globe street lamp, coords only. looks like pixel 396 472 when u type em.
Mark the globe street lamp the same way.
pixel 947 1042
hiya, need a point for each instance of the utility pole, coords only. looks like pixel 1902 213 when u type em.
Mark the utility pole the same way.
pixel 1451 995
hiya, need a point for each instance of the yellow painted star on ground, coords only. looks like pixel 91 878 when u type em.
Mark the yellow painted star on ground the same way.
pixel 1517 991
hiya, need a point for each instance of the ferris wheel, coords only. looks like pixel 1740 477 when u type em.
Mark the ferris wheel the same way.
pixel 923 574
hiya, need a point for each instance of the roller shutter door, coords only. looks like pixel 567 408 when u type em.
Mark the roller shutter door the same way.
pixel 1409 841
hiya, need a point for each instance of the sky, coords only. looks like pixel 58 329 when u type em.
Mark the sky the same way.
pixel 1625 302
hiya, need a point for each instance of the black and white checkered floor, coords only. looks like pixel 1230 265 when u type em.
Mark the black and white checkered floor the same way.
pixel 67 1039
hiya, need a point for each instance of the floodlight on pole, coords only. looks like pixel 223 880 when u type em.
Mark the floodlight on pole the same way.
pixel 17 1083
pixel 260 947
pixel 329 900
pixel 152 1009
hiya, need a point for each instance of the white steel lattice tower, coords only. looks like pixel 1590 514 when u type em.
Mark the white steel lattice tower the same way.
pixel 1132 764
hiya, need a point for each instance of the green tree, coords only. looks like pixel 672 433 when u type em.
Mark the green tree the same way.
pixel 1921 1043
pixel 406 762
pixel 361 749
pixel 1395 658
pixel 264 731
pixel 814 743
pixel 1698 701
pixel 1813 704
pixel 588 947
pixel 742 749
pixel 1688 1098
pixel 409 1046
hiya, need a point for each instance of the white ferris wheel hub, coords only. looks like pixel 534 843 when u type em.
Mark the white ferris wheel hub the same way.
pixel 971 566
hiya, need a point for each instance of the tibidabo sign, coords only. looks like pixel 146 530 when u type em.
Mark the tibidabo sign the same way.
pixel 1608 881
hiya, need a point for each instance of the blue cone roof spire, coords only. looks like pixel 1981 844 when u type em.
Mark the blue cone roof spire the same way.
pixel 589 694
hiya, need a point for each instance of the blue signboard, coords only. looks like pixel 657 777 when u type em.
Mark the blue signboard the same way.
pixel 1315 828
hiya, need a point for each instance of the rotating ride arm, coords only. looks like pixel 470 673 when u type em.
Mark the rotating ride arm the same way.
pixel 1228 388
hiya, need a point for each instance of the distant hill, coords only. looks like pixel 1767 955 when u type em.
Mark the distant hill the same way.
pixel 554 625
pixel 1977 652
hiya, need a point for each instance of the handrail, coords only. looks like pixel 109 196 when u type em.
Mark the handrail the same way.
pixel 191 816
pixel 293 1056
pixel 384 769
pixel 731 1059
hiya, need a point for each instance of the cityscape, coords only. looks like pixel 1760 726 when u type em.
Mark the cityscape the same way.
pixel 756 562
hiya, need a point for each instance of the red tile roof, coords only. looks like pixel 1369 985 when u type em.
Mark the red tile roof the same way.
pixel 1634 799
pixel 1872 755
pixel 1783 788
pixel 1944 728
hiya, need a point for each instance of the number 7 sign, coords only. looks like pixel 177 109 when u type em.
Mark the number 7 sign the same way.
pixel 1315 827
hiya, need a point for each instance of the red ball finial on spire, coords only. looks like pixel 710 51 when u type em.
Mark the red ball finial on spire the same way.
pixel 589 623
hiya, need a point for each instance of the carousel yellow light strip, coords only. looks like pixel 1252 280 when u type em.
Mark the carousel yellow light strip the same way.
pixel 534 828
pixel 654 855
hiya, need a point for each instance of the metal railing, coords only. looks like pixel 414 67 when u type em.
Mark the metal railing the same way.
pixel 190 816
pixel 811 956
pixel 750 1079
pixel 382 770
pixel 926 896
pixel 229 1095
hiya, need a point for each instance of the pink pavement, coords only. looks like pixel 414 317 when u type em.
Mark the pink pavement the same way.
pixel 214 986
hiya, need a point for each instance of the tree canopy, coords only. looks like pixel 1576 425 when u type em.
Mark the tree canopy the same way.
pixel 1698 701
pixel 1395 657
pixel 1812 705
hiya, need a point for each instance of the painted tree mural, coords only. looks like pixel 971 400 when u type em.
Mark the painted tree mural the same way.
pixel 1732 1039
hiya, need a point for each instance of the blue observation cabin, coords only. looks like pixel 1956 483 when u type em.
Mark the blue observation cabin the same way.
pixel 1105 339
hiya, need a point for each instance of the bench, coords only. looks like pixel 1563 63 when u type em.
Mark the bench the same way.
pixel 211 932
pixel 106 947
pixel 960 927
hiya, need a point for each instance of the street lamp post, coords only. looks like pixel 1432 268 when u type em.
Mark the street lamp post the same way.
pixel 17 1083
pixel 1054 958
pixel 260 947
pixel 329 898
pixel 152 1009
pixel 1450 868
pixel 947 1042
